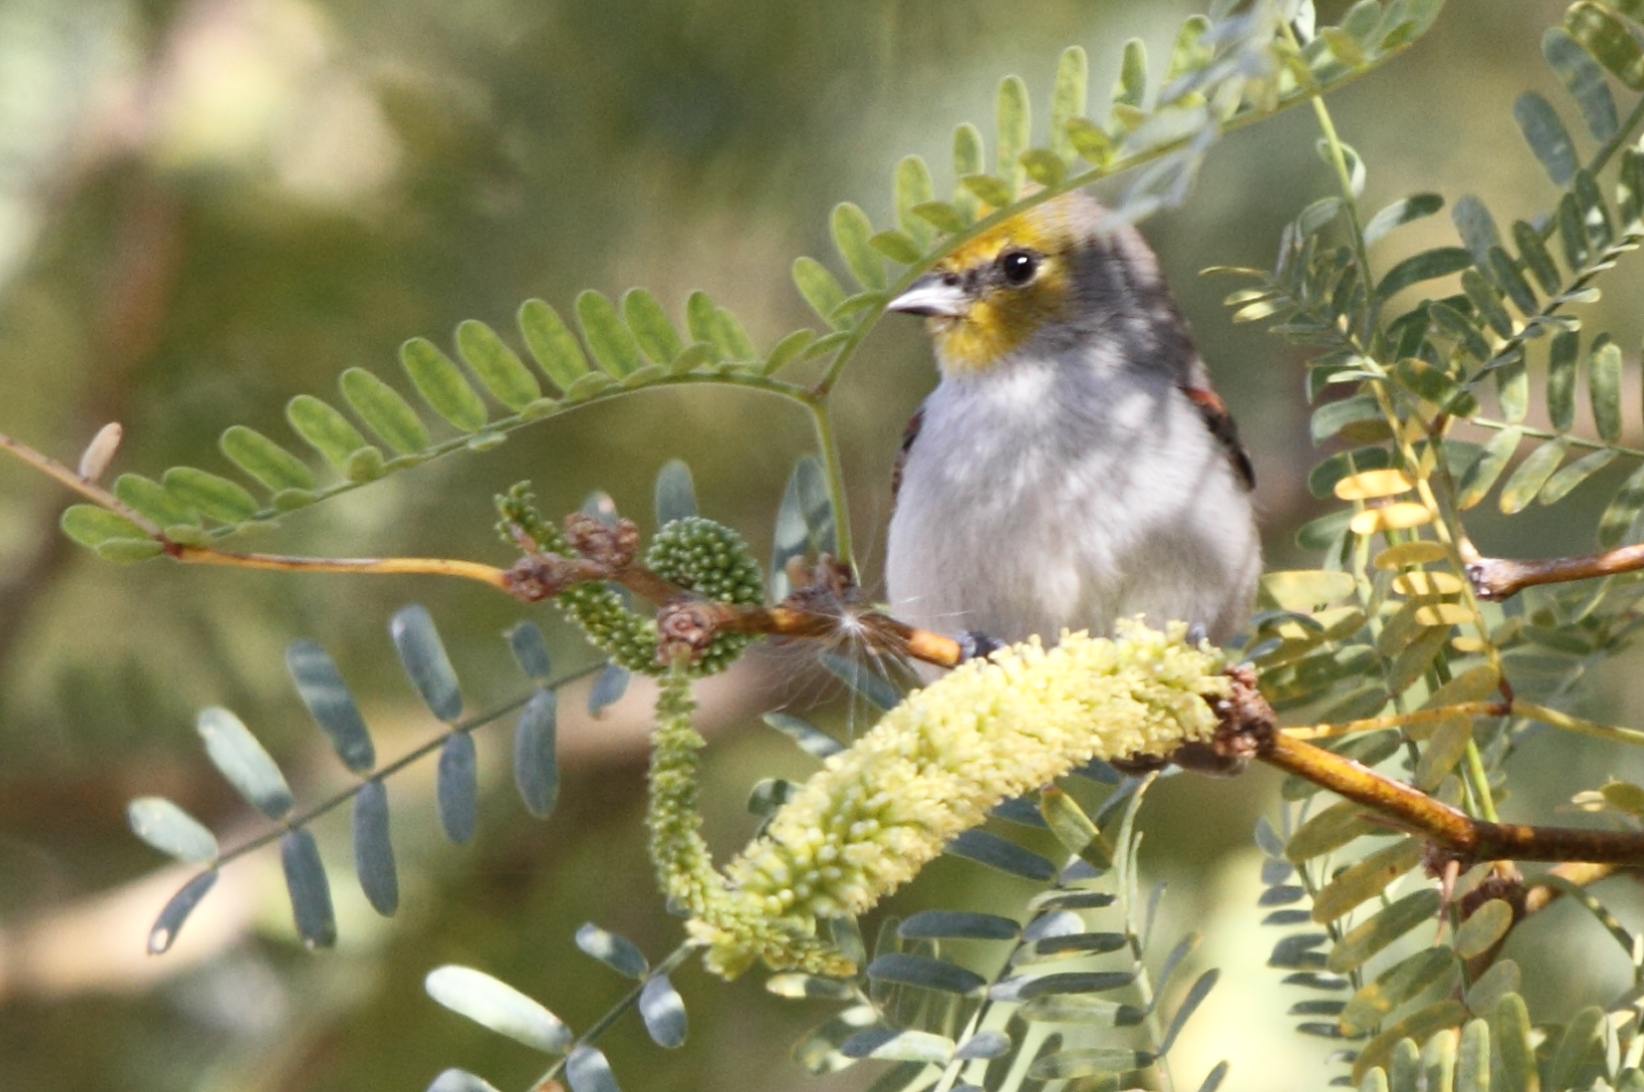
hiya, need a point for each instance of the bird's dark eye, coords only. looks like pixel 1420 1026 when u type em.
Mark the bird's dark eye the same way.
pixel 1018 266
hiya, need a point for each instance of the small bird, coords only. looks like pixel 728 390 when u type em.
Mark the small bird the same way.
pixel 1073 466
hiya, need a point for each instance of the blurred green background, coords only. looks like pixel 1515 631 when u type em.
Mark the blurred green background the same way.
pixel 209 206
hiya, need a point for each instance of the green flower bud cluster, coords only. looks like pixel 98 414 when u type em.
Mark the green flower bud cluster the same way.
pixel 933 767
pixel 600 610
pixel 712 560
pixel 696 553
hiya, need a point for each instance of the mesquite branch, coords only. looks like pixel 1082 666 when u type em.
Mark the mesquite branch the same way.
pixel 1502 578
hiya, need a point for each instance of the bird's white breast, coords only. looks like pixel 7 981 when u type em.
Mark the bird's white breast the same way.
pixel 1039 497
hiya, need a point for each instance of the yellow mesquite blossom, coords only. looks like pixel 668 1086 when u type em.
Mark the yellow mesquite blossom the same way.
pixel 933 767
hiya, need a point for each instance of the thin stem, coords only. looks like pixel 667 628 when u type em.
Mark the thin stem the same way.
pixel 394 566
pixel 599 1027
pixel 83 486
pixel 1576 724
pixel 1544 434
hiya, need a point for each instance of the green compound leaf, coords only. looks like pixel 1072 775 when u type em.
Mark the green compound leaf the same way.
pixel 216 497
pixel 552 344
pixel 163 933
pixel 1329 830
pixel 1376 933
pixel 913 189
pixel 1472 1061
pixel 675 493
pixel 325 429
pixel 457 788
pixel 496 365
pixel 941 215
pixel 498 1007
pixel 958 925
pixel 907 969
pixel 423 656
pixel 373 849
pixel 586 1070
pixel 652 328
pixel 1014 118
pixel 615 951
pixel 441 384
pixel 171 830
pixel 851 231
pixel 663 1012
pixel 536 764
pixel 898 246
pixel 262 459
pixel 1608 40
pixel 329 702
pixel 309 889
pixel 1545 134
pixel 243 762
pixel 1585 82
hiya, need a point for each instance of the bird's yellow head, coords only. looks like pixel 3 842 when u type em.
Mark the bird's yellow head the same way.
pixel 1018 279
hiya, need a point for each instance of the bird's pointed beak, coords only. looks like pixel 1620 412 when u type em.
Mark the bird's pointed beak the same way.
pixel 932 295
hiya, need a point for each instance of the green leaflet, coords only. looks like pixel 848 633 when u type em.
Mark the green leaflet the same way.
pixel 1604 386
pixel 651 326
pixel 851 231
pixel 384 412
pixel 1608 40
pixel 1532 474
pixel 1067 99
pixel 496 365
pixel 552 344
pixel 913 188
pixel 325 429
pixel 1585 81
pixel 1014 119
pixel 820 288
pixel 212 496
pixel 611 342
pixel 1545 133
pixel 1563 353
pixel 154 501
pixel 1376 933
pixel 441 384
pixel 263 459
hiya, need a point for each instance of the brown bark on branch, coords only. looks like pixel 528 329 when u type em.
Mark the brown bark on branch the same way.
pixel 1502 578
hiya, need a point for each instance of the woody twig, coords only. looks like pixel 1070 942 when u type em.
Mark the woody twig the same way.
pixel 1502 578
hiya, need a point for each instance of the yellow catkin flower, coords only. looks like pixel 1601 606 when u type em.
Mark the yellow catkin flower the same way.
pixel 936 764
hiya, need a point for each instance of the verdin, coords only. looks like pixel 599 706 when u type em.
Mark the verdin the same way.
pixel 1073 466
